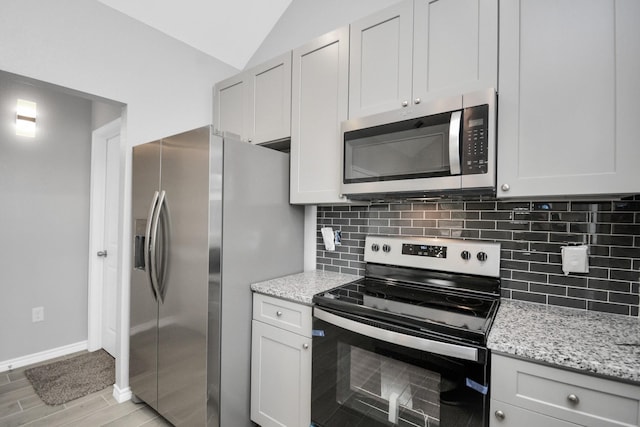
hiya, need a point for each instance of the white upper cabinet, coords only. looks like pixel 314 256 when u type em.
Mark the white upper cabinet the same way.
pixel 256 104
pixel 455 47
pixel 568 98
pixel 381 60
pixel 411 53
pixel 320 103
pixel 229 105
pixel 269 100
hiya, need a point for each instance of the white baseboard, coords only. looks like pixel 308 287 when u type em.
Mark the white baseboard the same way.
pixel 121 395
pixel 7 365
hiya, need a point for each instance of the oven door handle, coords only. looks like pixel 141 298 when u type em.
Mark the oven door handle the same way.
pixel 404 340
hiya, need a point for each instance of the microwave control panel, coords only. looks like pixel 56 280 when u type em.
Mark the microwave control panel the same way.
pixel 475 129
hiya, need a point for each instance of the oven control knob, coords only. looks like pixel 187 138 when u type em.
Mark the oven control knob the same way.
pixel 375 247
pixel 482 256
pixel 386 248
pixel 466 255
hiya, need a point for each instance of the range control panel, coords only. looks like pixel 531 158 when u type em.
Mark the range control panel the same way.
pixel 452 255
pixel 424 250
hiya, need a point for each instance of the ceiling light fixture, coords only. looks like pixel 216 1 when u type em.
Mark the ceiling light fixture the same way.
pixel 26 118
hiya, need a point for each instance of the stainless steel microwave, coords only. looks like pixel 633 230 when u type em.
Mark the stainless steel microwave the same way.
pixel 443 147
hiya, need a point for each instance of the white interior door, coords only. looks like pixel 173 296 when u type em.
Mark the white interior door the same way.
pixel 110 269
pixel 103 256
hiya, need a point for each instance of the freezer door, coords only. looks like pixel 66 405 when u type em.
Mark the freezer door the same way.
pixel 144 307
pixel 183 278
pixel 262 239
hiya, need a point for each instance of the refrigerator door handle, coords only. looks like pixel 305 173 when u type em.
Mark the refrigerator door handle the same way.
pixel 147 245
pixel 164 241
pixel 153 247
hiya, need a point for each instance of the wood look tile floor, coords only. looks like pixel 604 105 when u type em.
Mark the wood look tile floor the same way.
pixel 20 405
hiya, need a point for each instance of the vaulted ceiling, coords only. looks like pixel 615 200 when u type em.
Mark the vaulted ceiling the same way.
pixel 230 30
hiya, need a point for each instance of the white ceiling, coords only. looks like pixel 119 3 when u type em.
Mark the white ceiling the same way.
pixel 230 30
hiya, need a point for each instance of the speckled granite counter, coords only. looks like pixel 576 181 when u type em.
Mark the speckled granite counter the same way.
pixel 597 343
pixel 302 287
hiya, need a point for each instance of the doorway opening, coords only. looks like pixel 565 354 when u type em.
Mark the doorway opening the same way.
pixel 45 229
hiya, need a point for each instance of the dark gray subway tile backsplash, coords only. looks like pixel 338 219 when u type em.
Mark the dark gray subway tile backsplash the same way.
pixel 531 233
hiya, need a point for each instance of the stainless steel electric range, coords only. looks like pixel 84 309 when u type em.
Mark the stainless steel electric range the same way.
pixel 406 344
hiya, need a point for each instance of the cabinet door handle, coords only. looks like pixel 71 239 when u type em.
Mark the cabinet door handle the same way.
pixel 573 399
pixel 305 346
pixel 500 415
pixel 417 101
pixel 505 187
pixel 405 103
pixel 278 313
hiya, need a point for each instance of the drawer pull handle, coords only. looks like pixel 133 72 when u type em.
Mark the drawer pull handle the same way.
pixel 573 399
pixel 278 313
pixel 500 415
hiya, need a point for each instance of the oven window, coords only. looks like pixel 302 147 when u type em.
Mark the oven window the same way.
pixel 386 389
pixel 362 381
pixel 417 148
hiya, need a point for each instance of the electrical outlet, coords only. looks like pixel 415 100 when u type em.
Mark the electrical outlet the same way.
pixel 37 314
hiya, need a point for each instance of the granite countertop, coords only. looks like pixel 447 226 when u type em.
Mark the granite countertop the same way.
pixel 593 342
pixel 302 287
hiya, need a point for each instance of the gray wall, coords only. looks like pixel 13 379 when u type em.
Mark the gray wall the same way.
pixel 44 220
pixel 89 47
pixel 305 20
pixel 103 113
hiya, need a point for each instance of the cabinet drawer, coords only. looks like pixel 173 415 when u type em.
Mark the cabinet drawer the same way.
pixel 567 395
pixel 283 314
pixel 505 415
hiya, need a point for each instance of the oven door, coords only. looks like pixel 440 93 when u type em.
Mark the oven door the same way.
pixel 367 376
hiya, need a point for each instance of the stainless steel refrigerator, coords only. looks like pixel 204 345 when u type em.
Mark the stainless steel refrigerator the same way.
pixel 210 216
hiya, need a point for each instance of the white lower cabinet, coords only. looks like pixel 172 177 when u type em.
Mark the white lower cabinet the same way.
pixel 280 363
pixel 527 394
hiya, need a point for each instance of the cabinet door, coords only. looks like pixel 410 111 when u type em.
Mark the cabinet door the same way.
pixel 229 105
pixel 381 60
pixel 568 98
pixel 320 102
pixel 280 377
pixel 505 415
pixel 455 47
pixel 269 100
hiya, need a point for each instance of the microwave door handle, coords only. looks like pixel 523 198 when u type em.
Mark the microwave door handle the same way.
pixel 454 143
